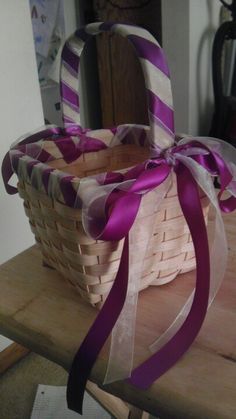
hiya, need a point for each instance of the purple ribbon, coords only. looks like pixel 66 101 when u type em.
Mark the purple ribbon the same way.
pixel 148 176
pixel 61 136
pixel 144 375
pixel 145 176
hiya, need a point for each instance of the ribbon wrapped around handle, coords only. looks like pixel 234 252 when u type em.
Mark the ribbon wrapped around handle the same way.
pixel 153 64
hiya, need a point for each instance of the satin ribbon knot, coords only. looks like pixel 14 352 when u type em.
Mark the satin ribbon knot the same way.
pixel 73 130
pixel 169 156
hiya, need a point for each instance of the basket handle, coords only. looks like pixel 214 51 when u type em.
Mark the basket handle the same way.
pixel 154 66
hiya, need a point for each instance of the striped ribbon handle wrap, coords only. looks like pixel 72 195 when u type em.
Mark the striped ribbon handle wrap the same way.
pixel 154 66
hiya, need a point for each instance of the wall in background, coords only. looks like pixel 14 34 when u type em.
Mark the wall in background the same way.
pixel 21 108
pixel 189 27
pixel 50 91
pixel 21 111
pixel 175 41
pixel 203 23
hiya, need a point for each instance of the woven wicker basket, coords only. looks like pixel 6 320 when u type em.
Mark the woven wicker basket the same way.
pixel 90 265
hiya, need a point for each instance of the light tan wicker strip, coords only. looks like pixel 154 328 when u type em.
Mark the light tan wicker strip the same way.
pixel 91 265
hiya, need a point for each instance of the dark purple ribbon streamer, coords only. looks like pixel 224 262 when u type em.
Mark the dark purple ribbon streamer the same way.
pixel 145 374
pixel 95 339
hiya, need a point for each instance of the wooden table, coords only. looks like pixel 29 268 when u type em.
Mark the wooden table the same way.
pixel 40 311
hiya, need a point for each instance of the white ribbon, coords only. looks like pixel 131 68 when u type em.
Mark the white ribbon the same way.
pixel 120 361
pixel 218 254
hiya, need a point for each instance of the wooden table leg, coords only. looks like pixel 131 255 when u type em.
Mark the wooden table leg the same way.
pixel 112 404
pixel 11 355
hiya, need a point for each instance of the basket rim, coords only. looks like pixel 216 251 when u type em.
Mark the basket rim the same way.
pixel 25 165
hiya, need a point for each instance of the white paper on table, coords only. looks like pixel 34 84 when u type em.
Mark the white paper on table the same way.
pixel 4 343
pixel 50 403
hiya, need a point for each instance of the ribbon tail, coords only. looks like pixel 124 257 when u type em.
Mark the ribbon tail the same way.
pixel 144 375
pixel 120 362
pixel 218 263
pixel 85 358
pixel 218 254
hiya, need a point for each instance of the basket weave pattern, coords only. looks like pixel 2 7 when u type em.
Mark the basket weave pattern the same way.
pixel 90 265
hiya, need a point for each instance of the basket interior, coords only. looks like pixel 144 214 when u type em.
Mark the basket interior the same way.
pixel 111 159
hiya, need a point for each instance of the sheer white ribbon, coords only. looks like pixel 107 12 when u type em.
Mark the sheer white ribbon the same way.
pixel 218 254
pixel 120 361
pixel 92 190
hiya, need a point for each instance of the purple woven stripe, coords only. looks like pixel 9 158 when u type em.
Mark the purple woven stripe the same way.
pixel 160 110
pixel 68 120
pixel 44 156
pixel 82 34
pixel 156 121
pixel 47 133
pixel 70 69
pixel 70 57
pixel 30 166
pixel 106 26
pixel 73 107
pixel 45 177
pixel 67 190
pixel 69 95
pixel 68 149
pixel 14 162
pixel 150 51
